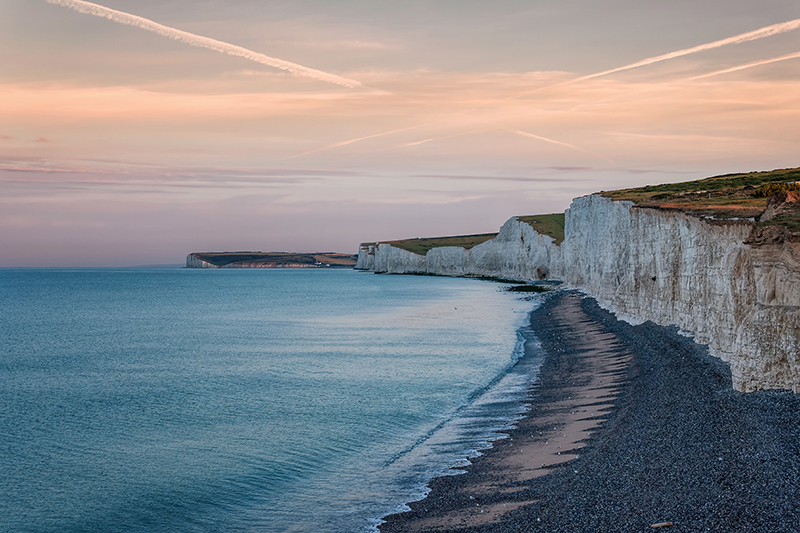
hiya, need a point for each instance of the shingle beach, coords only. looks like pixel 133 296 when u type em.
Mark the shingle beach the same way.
pixel 629 427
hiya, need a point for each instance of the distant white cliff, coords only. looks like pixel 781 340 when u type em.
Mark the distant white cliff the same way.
pixel 518 252
pixel 742 300
pixel 193 261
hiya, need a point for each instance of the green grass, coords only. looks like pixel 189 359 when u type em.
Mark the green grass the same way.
pixel 729 196
pixel 716 183
pixel 421 246
pixel 789 218
pixel 768 189
pixel 552 225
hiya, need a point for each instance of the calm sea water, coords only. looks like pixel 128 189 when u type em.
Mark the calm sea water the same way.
pixel 175 400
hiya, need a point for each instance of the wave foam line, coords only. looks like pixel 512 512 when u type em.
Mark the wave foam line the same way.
pixel 199 41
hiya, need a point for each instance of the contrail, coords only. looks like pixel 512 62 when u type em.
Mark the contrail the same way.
pixel 423 141
pixel 747 65
pixel 761 33
pixel 559 143
pixel 351 141
pixel 545 139
pixel 766 31
pixel 201 42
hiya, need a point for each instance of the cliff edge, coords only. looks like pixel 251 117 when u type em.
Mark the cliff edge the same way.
pixel 729 280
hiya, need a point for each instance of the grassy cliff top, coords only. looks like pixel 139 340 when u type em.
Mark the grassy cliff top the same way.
pixel 422 245
pixel 277 258
pixel 724 197
pixel 552 225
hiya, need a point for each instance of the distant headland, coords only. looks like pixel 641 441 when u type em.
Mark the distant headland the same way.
pixel 249 259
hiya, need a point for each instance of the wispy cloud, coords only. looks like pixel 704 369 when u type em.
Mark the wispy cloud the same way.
pixel 500 178
pixel 138 170
pixel 747 65
pixel 760 33
pixel 344 44
pixel 351 141
pixel 191 39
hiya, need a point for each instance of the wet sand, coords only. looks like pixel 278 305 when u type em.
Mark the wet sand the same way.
pixel 628 427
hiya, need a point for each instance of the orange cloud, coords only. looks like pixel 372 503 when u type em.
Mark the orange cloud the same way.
pixel 460 119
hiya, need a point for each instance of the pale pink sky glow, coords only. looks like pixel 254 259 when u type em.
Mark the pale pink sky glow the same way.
pixel 121 147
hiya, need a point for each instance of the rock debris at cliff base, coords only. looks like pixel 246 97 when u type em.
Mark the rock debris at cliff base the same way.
pixel 680 445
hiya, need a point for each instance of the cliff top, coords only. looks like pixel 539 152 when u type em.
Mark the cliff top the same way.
pixel 422 245
pixel 551 225
pixel 722 197
pixel 771 197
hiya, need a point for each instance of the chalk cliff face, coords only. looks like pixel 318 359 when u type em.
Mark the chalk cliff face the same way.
pixel 192 261
pixel 676 269
pixel 518 252
pixel 646 264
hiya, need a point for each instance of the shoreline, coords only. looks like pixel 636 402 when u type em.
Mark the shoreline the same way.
pixel 661 438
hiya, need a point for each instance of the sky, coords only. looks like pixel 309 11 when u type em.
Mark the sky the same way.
pixel 307 125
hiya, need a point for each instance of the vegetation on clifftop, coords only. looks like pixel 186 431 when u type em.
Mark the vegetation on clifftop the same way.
pixel 551 225
pixel 722 197
pixel 421 246
pixel 730 196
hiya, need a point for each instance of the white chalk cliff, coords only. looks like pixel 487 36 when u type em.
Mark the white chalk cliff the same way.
pixel 193 261
pixel 742 300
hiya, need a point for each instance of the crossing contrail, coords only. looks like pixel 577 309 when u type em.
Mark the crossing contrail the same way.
pixel 431 139
pixel 766 31
pixel 761 33
pixel 351 141
pixel 545 139
pixel 747 65
pixel 559 143
pixel 199 41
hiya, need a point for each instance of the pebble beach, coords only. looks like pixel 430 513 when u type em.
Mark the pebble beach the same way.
pixel 628 428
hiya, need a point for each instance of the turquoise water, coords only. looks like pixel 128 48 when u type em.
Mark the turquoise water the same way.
pixel 176 400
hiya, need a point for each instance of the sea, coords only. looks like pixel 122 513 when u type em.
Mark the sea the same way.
pixel 277 400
